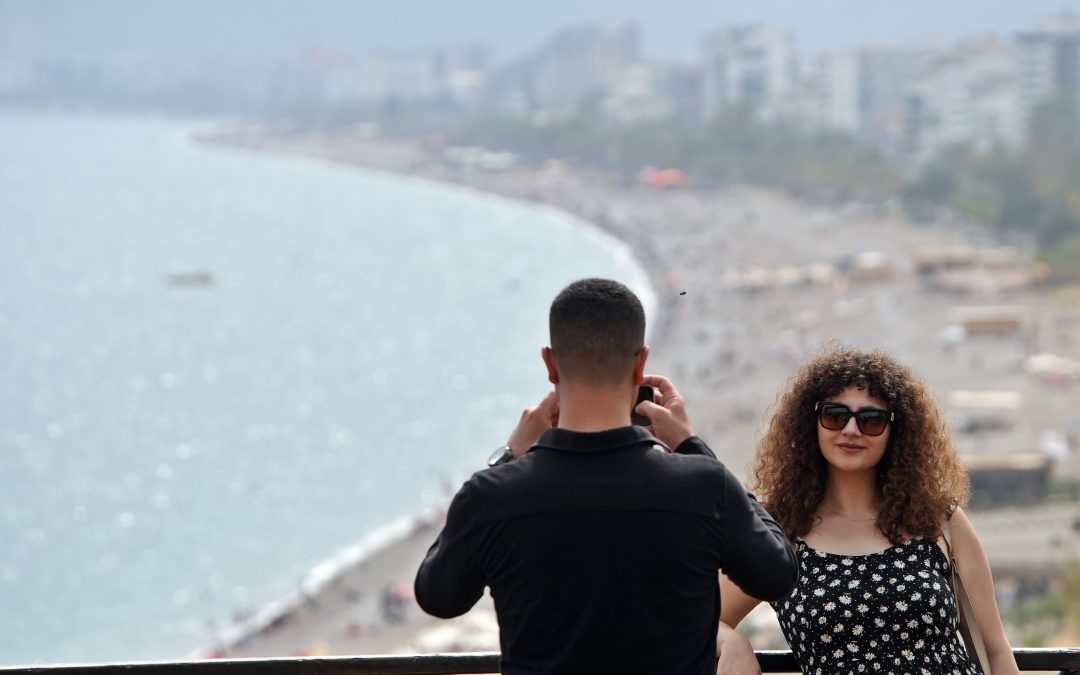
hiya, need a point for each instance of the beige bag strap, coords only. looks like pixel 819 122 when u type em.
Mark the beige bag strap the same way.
pixel 969 623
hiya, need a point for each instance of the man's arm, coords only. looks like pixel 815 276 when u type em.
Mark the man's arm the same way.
pixel 759 558
pixel 694 446
pixel 449 581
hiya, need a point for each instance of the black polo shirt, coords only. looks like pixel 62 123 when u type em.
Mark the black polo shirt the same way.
pixel 601 551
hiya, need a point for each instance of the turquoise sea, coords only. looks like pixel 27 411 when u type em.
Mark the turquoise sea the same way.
pixel 220 368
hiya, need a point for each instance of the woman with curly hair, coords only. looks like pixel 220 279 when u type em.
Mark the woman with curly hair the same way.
pixel 858 468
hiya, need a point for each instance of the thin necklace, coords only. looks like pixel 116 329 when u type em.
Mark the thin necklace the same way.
pixel 852 520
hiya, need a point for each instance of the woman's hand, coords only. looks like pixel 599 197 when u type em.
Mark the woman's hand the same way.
pixel 735 655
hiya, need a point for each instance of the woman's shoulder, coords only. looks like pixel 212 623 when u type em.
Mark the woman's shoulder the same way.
pixel 958 532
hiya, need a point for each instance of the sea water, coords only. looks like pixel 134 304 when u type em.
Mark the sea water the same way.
pixel 220 367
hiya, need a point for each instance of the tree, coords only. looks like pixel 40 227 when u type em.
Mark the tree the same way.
pixel 933 188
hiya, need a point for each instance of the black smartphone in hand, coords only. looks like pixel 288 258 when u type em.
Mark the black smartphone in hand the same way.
pixel 644 393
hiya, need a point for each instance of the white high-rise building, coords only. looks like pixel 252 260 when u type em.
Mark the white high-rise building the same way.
pixel 752 66
pixel 966 96
pixel 1048 62
pixel 580 63
pixel 398 74
pixel 862 92
pixel 637 96
pixel 886 73
pixel 831 96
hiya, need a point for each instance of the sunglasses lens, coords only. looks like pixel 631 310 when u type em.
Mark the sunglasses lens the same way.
pixel 834 417
pixel 872 423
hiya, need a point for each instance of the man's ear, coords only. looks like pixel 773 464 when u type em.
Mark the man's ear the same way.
pixel 549 361
pixel 639 364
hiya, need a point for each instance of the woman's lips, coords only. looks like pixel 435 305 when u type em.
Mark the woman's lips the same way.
pixel 848 447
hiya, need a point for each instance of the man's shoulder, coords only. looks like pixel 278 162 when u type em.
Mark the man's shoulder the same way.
pixel 539 469
pixel 500 478
pixel 490 492
pixel 694 468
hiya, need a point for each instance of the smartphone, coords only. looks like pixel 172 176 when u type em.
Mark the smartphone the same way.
pixel 644 393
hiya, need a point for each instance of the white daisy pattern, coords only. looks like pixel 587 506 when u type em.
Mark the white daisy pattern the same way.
pixel 909 623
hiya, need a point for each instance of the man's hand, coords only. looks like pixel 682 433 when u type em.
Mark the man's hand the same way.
pixel 734 654
pixel 670 422
pixel 534 421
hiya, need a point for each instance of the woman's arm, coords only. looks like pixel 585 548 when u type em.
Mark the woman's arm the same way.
pixel 974 568
pixel 733 650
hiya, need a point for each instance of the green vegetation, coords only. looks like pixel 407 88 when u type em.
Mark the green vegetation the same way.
pixel 1065 489
pixel 1064 260
pixel 1034 192
pixel 1071 598
pixel 733 148
pixel 1049 614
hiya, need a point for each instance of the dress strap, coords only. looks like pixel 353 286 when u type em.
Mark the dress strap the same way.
pixel 947 536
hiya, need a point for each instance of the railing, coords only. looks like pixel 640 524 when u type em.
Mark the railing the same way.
pixel 1065 661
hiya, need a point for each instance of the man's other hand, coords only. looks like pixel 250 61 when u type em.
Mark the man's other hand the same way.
pixel 534 421
pixel 670 422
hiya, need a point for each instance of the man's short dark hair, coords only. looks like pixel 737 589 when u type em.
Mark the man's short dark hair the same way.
pixel 597 327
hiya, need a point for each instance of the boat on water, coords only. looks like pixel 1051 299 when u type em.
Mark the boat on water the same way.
pixel 193 278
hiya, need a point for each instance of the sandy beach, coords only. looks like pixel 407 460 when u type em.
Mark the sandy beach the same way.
pixel 364 608
pixel 728 345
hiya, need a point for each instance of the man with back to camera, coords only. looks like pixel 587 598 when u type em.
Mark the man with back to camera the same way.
pixel 601 547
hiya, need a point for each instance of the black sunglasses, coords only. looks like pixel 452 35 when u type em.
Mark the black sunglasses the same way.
pixel 835 416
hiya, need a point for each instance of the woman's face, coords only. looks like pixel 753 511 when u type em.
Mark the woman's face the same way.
pixel 849 449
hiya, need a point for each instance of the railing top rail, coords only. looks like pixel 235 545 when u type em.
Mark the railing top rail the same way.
pixel 1062 660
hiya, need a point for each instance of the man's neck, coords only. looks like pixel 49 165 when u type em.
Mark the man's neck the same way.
pixel 594 408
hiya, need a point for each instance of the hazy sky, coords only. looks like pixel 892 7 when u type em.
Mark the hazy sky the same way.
pixel 669 27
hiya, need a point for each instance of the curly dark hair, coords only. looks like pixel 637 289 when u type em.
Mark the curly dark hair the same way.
pixel 920 476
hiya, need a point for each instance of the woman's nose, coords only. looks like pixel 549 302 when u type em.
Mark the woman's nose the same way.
pixel 852 427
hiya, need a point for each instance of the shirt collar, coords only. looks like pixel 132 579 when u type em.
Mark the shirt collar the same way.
pixel 595 441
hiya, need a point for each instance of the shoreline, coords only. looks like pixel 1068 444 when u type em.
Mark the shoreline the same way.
pixel 634 247
pixel 261 625
pixel 321 579
pixel 727 348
